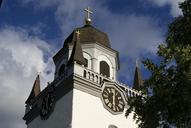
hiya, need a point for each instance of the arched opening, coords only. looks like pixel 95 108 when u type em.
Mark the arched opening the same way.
pixel 61 70
pixel 104 69
pixel 112 126
pixel 86 65
pixel 88 60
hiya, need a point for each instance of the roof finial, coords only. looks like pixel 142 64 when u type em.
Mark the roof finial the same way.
pixel 38 73
pixel 88 19
pixel 77 33
pixel 137 63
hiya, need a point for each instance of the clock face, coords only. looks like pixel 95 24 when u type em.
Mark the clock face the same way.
pixel 47 106
pixel 113 99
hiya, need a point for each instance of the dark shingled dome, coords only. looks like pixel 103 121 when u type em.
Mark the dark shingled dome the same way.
pixel 88 35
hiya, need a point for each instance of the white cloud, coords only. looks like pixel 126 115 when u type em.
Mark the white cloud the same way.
pixel 42 3
pixel 174 5
pixel 131 34
pixel 21 58
pixel 134 35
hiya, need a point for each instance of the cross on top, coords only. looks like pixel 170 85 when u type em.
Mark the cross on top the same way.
pixel 88 11
pixel 38 73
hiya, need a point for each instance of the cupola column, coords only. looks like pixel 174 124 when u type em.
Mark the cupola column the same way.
pixel 94 64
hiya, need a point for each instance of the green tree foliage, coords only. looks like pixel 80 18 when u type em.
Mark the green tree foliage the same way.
pixel 169 103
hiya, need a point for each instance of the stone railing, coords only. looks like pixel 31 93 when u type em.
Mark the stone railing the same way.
pixel 95 77
pixel 99 79
pixel 129 91
pixel 132 93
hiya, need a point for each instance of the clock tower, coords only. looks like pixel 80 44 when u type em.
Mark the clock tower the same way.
pixel 85 92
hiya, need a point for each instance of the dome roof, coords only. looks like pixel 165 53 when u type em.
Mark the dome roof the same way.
pixel 89 35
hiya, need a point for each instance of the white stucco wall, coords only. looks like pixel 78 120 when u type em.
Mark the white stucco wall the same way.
pixel 99 53
pixel 89 58
pixel 78 109
pixel 88 112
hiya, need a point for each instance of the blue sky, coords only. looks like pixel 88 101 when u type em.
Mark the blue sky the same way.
pixel 32 31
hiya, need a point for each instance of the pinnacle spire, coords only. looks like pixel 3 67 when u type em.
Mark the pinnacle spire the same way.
pixel 138 81
pixel 77 54
pixel 35 90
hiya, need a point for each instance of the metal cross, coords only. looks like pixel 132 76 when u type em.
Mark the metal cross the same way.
pixel 88 12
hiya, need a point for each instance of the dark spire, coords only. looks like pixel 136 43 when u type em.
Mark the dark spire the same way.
pixel 35 90
pixel 77 54
pixel 138 82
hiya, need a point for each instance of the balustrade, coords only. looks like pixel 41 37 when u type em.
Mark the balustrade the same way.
pixel 99 79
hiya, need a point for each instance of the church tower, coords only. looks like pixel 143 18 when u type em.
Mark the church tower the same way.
pixel 85 92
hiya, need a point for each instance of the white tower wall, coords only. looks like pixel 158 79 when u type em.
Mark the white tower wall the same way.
pixel 94 114
pixel 85 111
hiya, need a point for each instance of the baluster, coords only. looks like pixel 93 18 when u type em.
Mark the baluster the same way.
pixel 130 93
pixel 96 79
pixel 100 80
pixel 88 75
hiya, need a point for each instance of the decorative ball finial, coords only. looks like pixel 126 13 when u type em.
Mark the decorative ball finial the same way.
pixel 77 33
pixel 88 19
pixel 38 73
pixel 137 63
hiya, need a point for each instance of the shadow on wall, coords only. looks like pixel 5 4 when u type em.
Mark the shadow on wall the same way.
pixel 61 117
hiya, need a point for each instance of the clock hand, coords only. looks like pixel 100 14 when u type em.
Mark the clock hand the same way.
pixel 114 98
